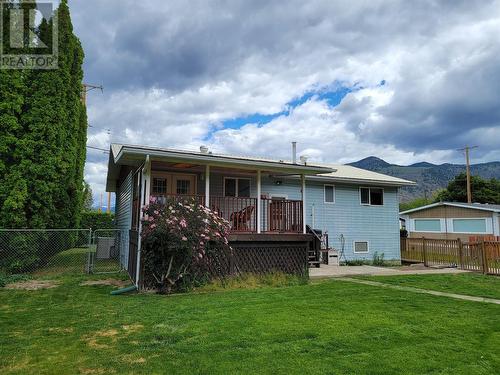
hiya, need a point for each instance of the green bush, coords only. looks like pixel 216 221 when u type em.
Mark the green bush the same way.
pixel 177 237
pixel 378 259
pixel 8 279
pixel 97 220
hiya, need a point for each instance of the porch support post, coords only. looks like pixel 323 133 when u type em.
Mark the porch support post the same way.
pixel 207 185
pixel 144 183
pixel 303 180
pixel 259 205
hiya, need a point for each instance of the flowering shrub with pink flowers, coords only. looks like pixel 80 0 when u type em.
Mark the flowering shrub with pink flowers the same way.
pixel 177 236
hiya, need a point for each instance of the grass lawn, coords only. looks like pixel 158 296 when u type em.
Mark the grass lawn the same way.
pixel 472 284
pixel 326 327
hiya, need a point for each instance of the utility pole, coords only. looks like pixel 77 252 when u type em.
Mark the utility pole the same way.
pixel 467 166
pixel 86 87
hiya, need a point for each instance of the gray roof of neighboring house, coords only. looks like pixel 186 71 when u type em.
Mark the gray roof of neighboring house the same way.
pixel 476 206
pixel 318 171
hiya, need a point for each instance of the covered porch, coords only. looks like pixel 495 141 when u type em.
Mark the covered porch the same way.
pixel 246 192
pixel 234 194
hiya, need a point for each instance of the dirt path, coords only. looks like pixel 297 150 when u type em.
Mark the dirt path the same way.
pixel 423 291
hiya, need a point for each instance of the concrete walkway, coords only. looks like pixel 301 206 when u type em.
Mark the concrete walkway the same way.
pixel 423 291
pixel 326 271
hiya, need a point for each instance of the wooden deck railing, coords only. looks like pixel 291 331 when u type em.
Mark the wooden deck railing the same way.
pixel 480 256
pixel 241 212
pixel 282 216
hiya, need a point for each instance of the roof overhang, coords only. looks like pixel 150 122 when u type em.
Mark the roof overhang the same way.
pixel 135 155
pixel 361 181
pixel 451 204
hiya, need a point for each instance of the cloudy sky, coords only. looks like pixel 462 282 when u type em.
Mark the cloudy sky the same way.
pixel 404 81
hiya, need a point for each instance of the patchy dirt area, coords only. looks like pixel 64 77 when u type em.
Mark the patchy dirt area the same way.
pixel 32 285
pixel 110 282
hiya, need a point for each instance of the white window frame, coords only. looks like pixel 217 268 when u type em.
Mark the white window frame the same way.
pixel 324 194
pixel 369 196
pixel 487 227
pixel 237 185
pixel 361 252
pixel 414 227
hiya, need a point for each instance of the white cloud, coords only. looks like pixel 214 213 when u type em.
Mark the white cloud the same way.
pixel 173 73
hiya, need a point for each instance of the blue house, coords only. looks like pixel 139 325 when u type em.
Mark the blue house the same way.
pixel 357 211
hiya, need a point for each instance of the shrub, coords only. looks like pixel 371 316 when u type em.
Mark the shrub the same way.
pixel 378 259
pixel 177 237
pixel 8 279
pixel 97 220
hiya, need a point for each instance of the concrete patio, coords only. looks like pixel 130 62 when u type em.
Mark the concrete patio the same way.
pixel 326 271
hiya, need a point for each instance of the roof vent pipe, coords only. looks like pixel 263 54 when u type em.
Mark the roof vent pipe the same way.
pixel 204 149
pixel 294 152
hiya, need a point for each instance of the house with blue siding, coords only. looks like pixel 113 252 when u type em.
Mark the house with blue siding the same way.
pixel 356 211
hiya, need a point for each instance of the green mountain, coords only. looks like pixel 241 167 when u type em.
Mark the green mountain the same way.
pixel 429 177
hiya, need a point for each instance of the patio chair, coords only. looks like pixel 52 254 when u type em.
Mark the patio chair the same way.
pixel 240 219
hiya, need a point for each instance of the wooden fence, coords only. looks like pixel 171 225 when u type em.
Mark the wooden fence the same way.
pixel 480 256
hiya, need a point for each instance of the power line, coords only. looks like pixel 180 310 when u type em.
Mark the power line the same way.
pixel 99 149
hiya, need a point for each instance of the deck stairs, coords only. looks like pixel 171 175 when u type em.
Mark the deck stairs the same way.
pixel 318 245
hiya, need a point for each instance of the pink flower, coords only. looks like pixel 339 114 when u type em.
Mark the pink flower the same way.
pixel 183 223
pixel 184 238
pixel 153 226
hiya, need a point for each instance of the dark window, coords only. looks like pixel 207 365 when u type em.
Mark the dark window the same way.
pixel 365 195
pixel 159 186
pixel 329 194
pixel 230 187
pixel 372 196
pixel 237 187
pixel 183 187
pixel 243 188
pixel 376 197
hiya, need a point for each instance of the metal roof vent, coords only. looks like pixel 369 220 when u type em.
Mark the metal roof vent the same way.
pixel 204 149
pixel 303 159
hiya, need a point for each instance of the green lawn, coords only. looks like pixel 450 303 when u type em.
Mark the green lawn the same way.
pixel 327 327
pixel 472 284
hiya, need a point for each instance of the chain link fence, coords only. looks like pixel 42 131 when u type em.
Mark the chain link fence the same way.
pixel 105 251
pixel 59 251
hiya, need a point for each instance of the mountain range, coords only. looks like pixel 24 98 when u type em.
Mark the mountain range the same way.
pixel 429 177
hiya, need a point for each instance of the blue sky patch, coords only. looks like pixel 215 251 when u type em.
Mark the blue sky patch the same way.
pixel 333 98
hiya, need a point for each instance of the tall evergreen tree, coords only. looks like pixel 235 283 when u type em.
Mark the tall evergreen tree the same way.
pixel 45 184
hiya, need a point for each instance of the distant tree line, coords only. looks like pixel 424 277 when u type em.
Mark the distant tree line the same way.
pixel 483 191
pixel 43 135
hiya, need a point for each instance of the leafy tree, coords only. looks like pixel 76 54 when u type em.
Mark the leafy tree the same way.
pixel 417 202
pixel 483 191
pixel 88 198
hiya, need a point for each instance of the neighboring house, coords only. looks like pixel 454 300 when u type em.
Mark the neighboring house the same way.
pixel 451 220
pixel 261 197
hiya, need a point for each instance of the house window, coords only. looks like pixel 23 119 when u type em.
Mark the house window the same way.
pixel 159 186
pixel 360 246
pixel 469 225
pixel 371 196
pixel 427 225
pixel 329 191
pixel 236 187
pixel 183 187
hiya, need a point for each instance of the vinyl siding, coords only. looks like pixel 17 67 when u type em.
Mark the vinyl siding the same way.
pixel 124 216
pixel 379 225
